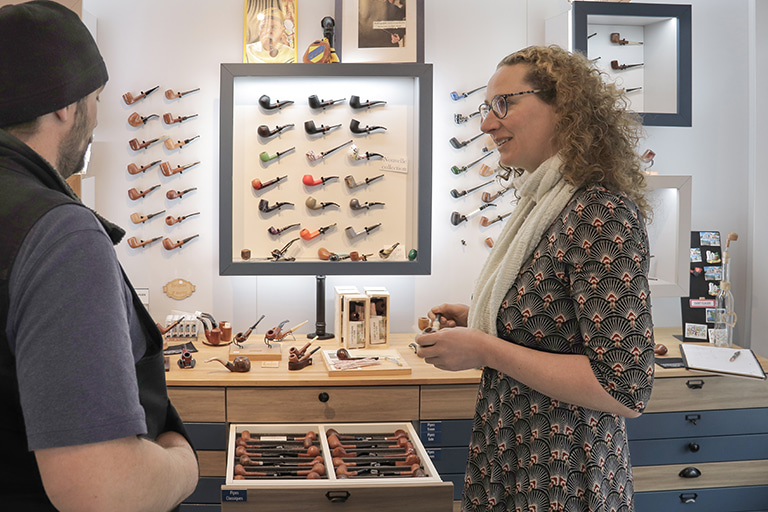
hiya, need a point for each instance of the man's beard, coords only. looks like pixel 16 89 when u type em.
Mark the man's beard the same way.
pixel 72 151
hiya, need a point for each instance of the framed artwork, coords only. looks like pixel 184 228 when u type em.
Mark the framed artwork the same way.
pixel 380 30
pixel 269 35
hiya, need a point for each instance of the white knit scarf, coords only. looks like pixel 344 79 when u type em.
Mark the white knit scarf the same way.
pixel 543 195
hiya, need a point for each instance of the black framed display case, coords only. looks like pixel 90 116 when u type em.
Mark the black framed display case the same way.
pixel 644 47
pixel 399 145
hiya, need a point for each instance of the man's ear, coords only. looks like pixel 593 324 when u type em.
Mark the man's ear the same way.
pixel 64 114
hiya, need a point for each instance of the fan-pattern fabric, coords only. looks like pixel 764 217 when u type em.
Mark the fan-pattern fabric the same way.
pixel 584 290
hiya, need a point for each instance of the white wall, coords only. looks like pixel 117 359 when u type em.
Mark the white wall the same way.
pixel 172 45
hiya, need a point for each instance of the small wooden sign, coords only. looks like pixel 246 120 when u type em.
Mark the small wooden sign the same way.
pixel 179 289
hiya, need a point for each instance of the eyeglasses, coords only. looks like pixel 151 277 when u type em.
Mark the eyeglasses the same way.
pixel 499 104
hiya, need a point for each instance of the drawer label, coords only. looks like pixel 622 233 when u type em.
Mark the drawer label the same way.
pixel 435 454
pixel 234 495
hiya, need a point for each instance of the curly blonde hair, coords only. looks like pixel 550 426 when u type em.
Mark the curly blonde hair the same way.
pixel 595 132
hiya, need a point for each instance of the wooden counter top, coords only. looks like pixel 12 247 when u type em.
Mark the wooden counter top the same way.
pixel 214 374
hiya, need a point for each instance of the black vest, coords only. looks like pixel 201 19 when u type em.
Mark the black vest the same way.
pixel 29 188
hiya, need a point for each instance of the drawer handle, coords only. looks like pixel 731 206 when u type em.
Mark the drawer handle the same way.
pixel 693 418
pixel 694 384
pixel 337 496
pixel 689 498
pixel 690 472
pixel 323 397
pixel 694 447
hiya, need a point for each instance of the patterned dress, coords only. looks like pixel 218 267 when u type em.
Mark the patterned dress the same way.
pixel 584 290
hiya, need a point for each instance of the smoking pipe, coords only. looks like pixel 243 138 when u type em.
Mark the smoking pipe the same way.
pixel 487 197
pixel 169 119
pixel 171 220
pixel 313 204
pixel 169 245
pixel 354 127
pixel 461 119
pixel 313 157
pixel 164 330
pixel 457 194
pixel 135 169
pixel 210 329
pixel 397 434
pixel 242 337
pixel 309 235
pixel 130 99
pixel 245 460
pixel 354 102
pixel 356 256
pixel 166 169
pixel 489 242
pixel 351 233
pixel 312 451
pixel 266 157
pixel 355 154
pixel 258 185
pixel 377 452
pixel 317 103
pixel 136 120
pixel 246 434
pixel 485 222
pixel 171 95
pixel 325 255
pixel 352 184
pixel 615 65
pixel 169 144
pixel 279 254
pixel 456 96
pixel 309 181
pixel 616 38
pixel 178 194
pixel 138 219
pixel 393 461
pixel 276 231
pixel 343 355
pixel 311 129
pixel 138 194
pixel 485 171
pixel 264 131
pixel 135 145
pixel 277 335
pixel 457 218
pixel 266 208
pixel 356 205
pixel 240 364
pixel 460 169
pixel 241 471
pixel 457 144
pixel 298 363
pixel 135 243
pixel 266 103
pixel 384 253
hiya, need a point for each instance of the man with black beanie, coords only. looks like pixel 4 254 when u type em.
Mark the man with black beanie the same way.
pixel 86 420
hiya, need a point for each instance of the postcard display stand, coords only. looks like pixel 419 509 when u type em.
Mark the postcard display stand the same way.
pixel 698 310
pixel 405 189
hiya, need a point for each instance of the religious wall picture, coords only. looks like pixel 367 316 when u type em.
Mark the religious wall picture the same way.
pixel 270 31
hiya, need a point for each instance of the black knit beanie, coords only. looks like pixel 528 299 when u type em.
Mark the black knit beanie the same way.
pixel 48 60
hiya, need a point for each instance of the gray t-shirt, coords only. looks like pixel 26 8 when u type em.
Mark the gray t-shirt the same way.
pixel 75 334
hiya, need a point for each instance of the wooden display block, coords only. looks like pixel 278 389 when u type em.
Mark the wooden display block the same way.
pixel 257 351
pixel 331 493
pixel 378 318
pixel 390 362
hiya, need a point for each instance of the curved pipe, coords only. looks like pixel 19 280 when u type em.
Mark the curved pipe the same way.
pixel 384 253
pixel 275 231
pixel 266 208
pixel 171 220
pixel 266 103
pixel 240 364
pixel 317 103
pixel 455 96
pixel 313 204
pixel 136 120
pixel 355 204
pixel 178 194
pixel 264 131
pixel 354 127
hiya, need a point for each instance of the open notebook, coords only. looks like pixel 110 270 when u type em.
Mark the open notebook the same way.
pixel 727 361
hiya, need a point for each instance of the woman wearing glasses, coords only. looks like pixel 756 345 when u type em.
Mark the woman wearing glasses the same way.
pixel 560 319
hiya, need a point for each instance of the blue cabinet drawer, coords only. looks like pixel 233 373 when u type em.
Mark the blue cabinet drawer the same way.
pixel 208 436
pixel 208 491
pixel 698 424
pixel 449 460
pixel 698 449
pixel 728 499
pixel 445 433
pixel 457 479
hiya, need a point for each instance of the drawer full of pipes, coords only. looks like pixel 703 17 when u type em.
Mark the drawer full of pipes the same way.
pixel 331 467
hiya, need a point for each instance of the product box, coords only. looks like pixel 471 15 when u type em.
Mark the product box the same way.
pixel 354 325
pixel 378 322
pixel 385 486
pixel 338 301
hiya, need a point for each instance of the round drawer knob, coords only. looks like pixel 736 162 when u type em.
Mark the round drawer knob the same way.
pixel 694 447
pixel 323 397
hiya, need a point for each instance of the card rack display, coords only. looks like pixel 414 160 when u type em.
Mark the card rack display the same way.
pixel 325 169
pixel 698 310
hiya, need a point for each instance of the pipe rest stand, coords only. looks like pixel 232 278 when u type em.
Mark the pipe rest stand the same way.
pixel 256 351
pixel 186 360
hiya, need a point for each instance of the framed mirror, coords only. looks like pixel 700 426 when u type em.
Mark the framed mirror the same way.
pixel 646 49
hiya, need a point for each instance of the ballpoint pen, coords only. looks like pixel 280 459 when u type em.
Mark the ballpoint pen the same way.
pixel 735 355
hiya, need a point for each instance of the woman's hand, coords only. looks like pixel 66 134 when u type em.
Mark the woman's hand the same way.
pixel 452 315
pixel 453 349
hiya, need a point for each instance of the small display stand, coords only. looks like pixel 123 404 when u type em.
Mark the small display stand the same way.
pixel 699 309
